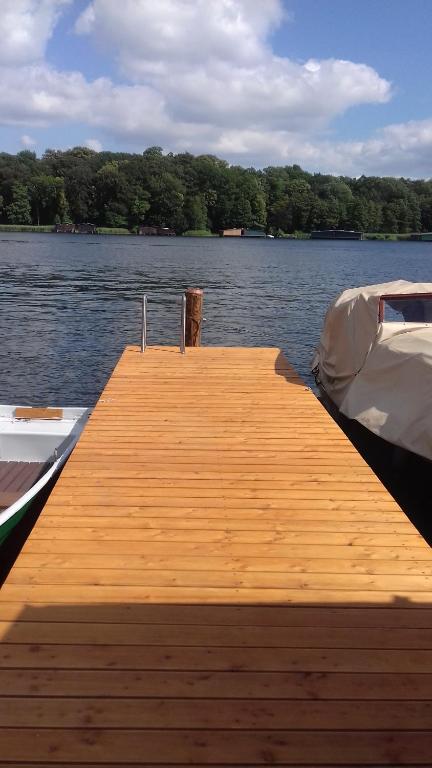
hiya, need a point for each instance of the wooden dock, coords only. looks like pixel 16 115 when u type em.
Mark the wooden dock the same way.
pixel 218 578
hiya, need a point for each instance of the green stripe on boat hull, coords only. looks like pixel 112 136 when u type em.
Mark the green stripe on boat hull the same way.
pixel 10 524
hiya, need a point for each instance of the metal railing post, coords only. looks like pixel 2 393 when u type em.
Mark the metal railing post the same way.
pixel 144 324
pixel 183 325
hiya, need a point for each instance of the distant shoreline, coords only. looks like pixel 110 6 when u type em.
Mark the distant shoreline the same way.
pixel 50 229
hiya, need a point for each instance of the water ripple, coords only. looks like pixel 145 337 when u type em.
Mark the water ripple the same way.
pixel 66 313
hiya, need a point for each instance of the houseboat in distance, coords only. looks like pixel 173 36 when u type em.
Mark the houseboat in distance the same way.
pixel 76 229
pixel 242 232
pixel 336 234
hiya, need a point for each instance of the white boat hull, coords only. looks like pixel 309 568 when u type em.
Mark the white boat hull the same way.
pixel 47 442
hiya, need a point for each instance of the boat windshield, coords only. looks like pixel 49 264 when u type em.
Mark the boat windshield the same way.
pixel 406 308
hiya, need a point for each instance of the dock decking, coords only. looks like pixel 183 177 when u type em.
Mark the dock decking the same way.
pixel 218 578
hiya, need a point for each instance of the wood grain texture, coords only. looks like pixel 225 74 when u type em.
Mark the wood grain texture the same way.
pixel 218 578
pixel 38 413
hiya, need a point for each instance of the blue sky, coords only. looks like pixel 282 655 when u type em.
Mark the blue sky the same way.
pixel 392 36
pixel 338 86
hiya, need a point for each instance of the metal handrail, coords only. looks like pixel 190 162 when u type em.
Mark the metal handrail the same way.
pixel 183 325
pixel 144 324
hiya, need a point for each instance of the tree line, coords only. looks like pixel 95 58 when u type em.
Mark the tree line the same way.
pixel 187 192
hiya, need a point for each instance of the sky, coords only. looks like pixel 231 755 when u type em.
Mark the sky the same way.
pixel 337 86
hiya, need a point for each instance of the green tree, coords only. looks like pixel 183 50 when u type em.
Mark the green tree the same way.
pixel 111 195
pixel 167 195
pixel 325 214
pixel 49 200
pixel 19 211
pixel 195 211
pixel 139 205
pixel 183 191
pixel 357 214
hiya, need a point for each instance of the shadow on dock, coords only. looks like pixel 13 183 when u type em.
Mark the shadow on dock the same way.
pixel 19 535
pixel 136 684
pixel 405 475
pixel 283 368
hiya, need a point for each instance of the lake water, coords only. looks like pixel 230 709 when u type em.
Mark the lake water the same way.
pixel 70 303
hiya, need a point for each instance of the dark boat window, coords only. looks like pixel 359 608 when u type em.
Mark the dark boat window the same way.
pixel 409 308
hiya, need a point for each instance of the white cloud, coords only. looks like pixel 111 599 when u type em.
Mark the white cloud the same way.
pixel 25 28
pixel 403 149
pixel 94 144
pixel 200 75
pixel 273 95
pixel 150 35
pixel 39 95
pixel 211 62
pixel 28 141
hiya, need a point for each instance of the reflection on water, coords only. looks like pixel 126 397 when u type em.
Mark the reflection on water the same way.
pixel 70 303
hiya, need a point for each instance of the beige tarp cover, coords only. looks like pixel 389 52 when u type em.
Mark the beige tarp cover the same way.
pixel 379 373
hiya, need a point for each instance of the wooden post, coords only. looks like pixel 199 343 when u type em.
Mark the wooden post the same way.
pixel 194 312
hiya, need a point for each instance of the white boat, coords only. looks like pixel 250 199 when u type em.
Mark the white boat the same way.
pixel 34 445
pixel 374 361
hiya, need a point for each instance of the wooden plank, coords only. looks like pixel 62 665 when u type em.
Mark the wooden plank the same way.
pixel 197 635
pixel 222 578
pixel 188 514
pixel 225 503
pixel 90 594
pixel 196 764
pixel 173 523
pixel 38 413
pixel 207 488
pixel 211 470
pixel 214 563
pixel 204 536
pixel 242 498
pixel 185 477
pixel 206 713
pixel 129 765
pixel 130 546
pixel 251 747
pixel 225 685
pixel 211 658
pixel 399 615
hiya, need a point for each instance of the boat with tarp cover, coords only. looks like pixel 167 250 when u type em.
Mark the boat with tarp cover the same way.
pixel 374 361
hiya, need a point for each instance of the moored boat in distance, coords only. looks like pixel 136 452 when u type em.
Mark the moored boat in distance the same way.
pixel 156 231
pixel 374 361
pixel 336 234
pixel 34 445
pixel 421 237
